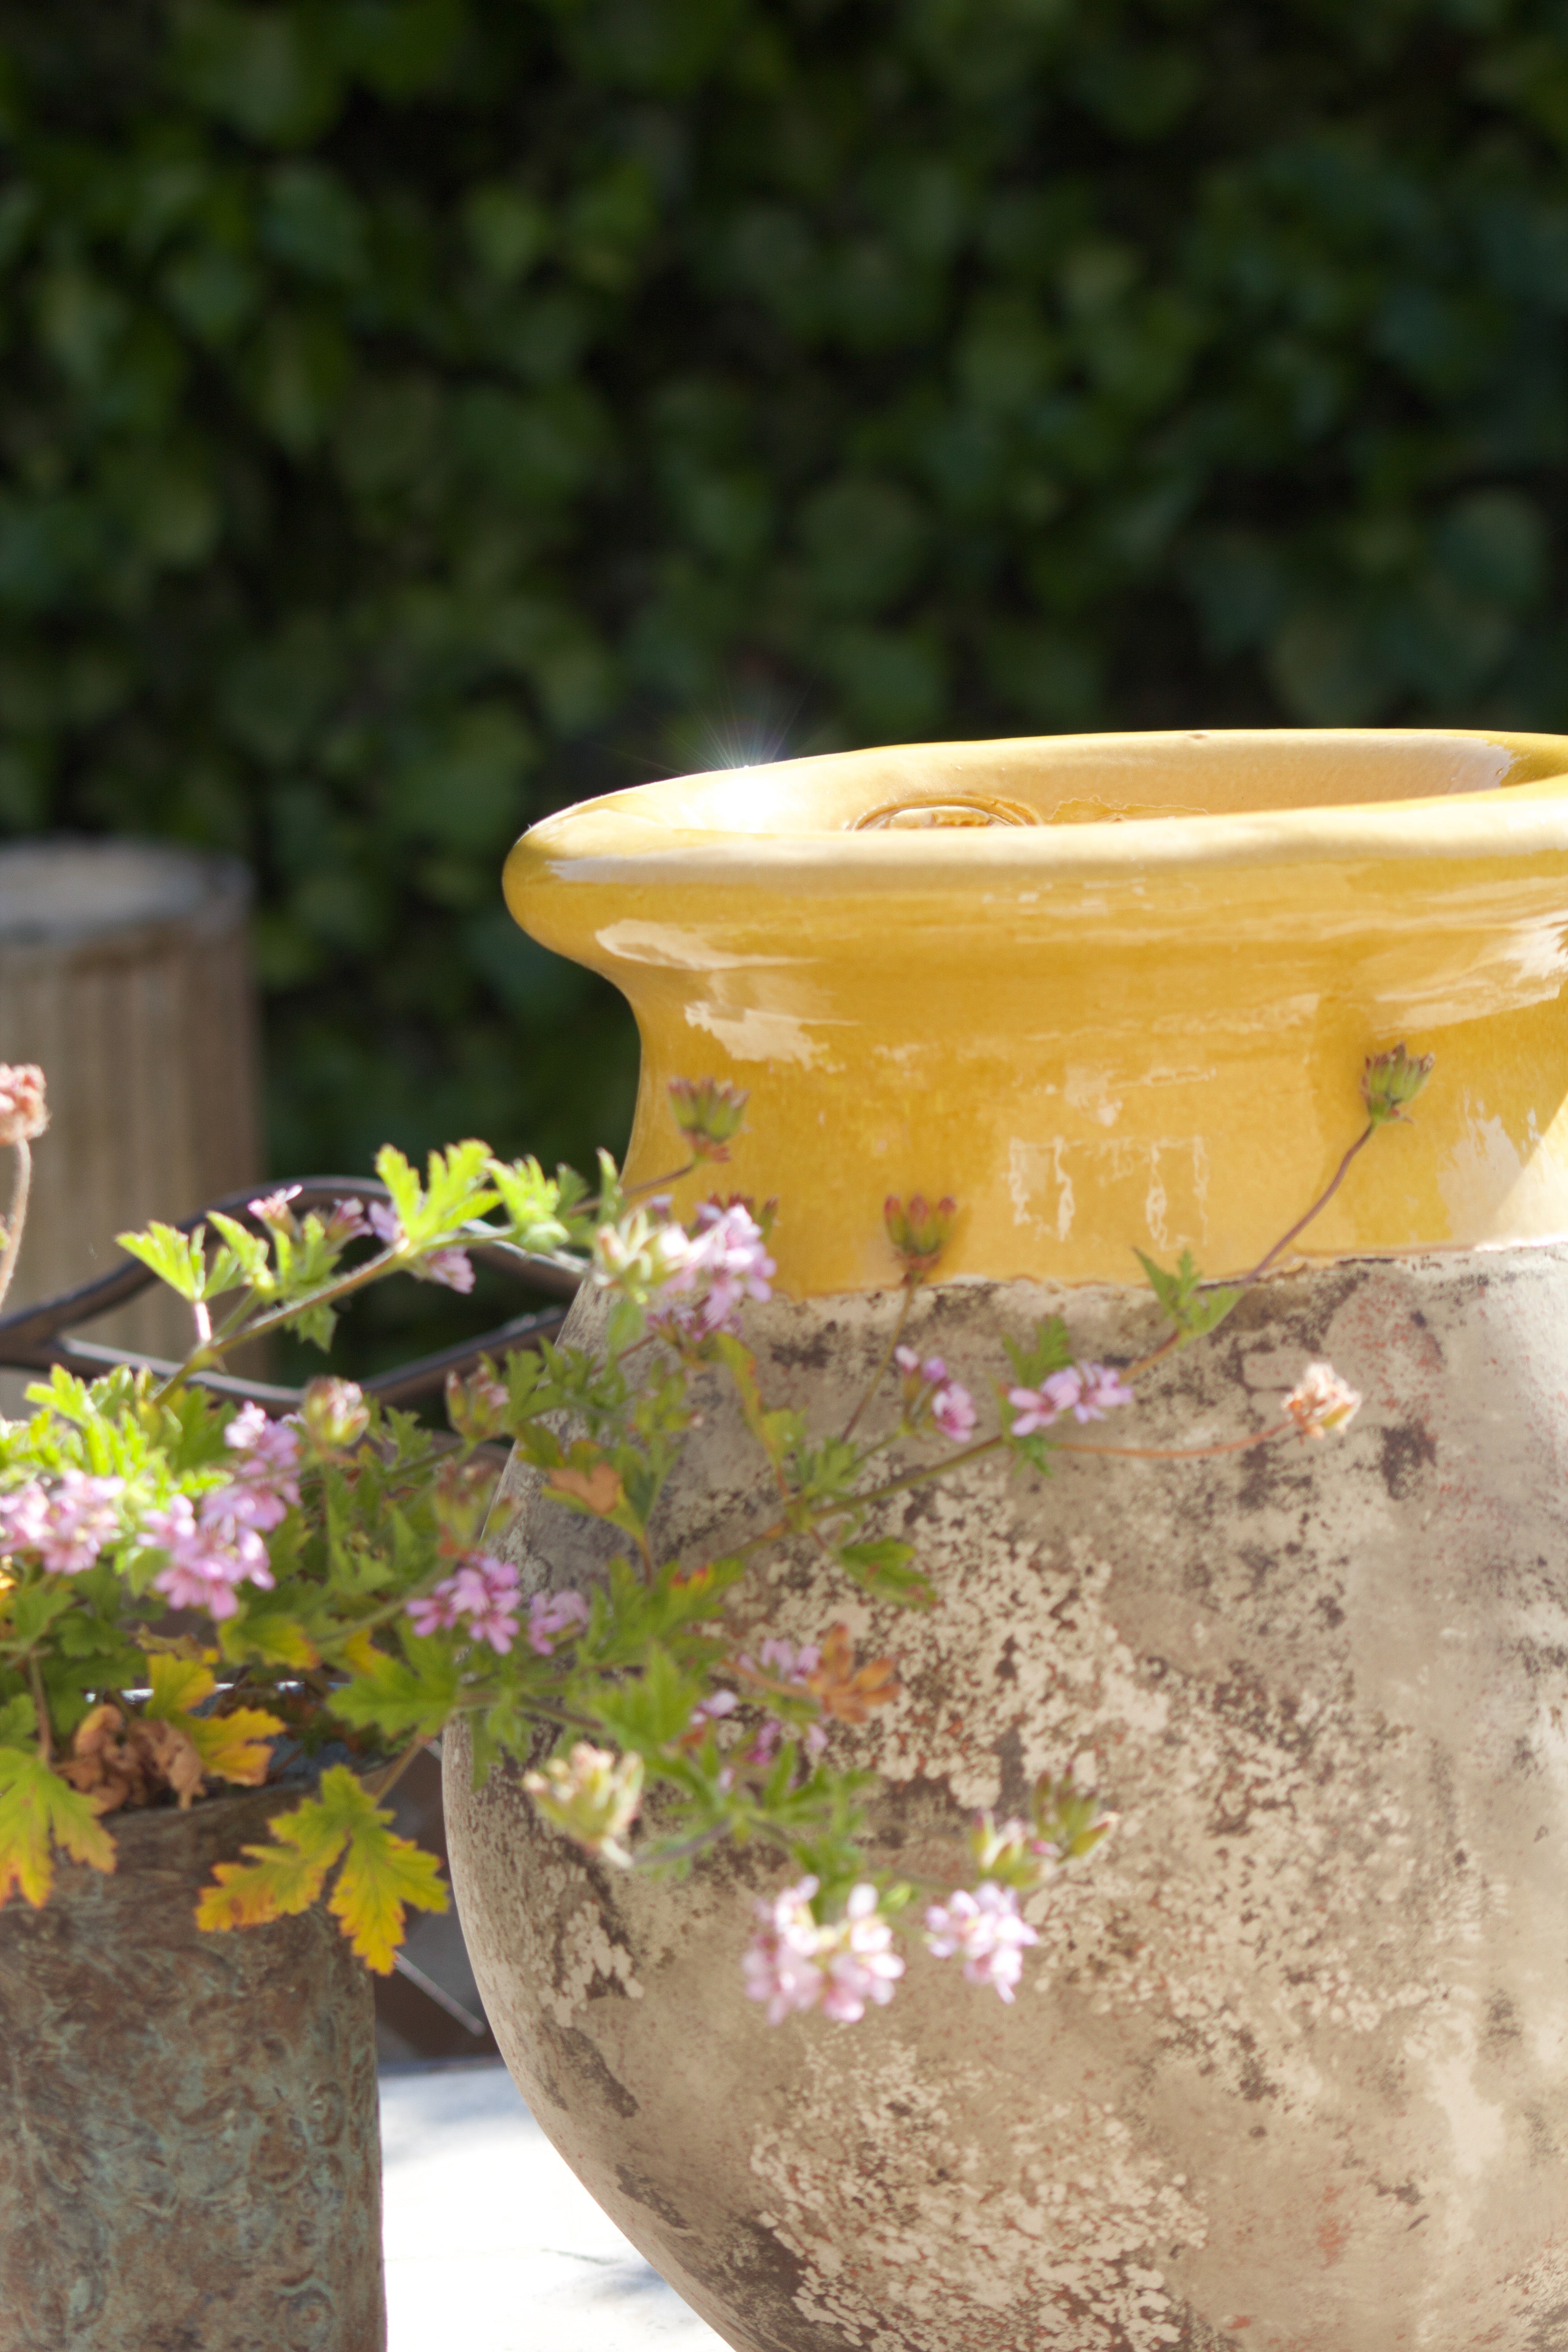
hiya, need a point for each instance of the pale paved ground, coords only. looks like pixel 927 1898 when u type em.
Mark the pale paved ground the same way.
pixel 491 2241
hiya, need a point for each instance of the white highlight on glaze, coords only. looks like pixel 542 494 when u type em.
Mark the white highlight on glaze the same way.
pixel 1490 1187
pixel 752 1034
pixel 676 949
pixel 1164 1183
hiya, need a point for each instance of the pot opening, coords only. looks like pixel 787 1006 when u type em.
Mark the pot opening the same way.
pixel 1075 779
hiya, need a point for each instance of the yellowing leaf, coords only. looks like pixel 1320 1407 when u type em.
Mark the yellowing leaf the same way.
pixel 231 1746
pixel 35 1807
pixel 359 1653
pixel 178 1685
pixel 383 1877
pixel 236 1746
pixel 382 1874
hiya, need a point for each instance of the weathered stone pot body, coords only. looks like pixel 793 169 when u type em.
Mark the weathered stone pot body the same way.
pixel 1290 2068
pixel 190 2157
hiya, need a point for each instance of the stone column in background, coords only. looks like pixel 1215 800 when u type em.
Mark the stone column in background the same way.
pixel 125 973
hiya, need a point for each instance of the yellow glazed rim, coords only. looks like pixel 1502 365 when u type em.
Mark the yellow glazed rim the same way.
pixel 1295 794
pixel 1108 991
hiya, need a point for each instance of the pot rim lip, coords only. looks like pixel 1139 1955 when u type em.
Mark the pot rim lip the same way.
pixel 636 835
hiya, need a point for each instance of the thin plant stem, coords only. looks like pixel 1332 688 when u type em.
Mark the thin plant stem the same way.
pixel 1319 1205
pixel 653 1183
pixel 20 1190
pixel 877 1377
pixel 1173 1339
pixel 1180 1452
pixel 201 1358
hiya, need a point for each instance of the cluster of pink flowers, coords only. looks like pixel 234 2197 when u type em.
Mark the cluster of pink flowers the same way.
pixel 482 1596
pixel 1085 1391
pixel 986 1929
pixel 794 1962
pixel 928 1387
pixel 722 1264
pixel 215 1545
pixel 67 1523
pixel 550 1615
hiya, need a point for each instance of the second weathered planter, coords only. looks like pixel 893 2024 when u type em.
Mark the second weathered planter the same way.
pixel 190 2157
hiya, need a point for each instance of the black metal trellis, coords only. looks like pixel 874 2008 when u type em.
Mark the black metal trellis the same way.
pixel 35 1338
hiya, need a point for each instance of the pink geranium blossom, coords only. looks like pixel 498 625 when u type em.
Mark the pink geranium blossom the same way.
pixel 481 1596
pixel 928 1388
pixel 212 1550
pixel 550 1615
pixel 267 1477
pixel 1087 1392
pixel 1320 1401
pixel 986 1929
pixel 794 1962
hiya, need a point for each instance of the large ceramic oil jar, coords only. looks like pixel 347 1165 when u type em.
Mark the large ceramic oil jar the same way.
pixel 1289 2070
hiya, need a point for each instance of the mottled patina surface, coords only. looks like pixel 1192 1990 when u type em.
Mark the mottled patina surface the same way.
pixel 1289 2069
pixel 189 2155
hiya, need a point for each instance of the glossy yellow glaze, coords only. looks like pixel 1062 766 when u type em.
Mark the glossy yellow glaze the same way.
pixel 1108 991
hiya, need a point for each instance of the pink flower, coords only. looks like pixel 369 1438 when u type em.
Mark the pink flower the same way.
pixel 952 1410
pixel 346 1221
pixel 1320 1401
pixel 68 1523
pixel 265 1479
pixel 23 1111
pixel 861 1965
pixel 779 1965
pixel 273 1210
pixel 985 1927
pixel 1100 1388
pixel 794 1963
pixel 928 1390
pixel 211 1551
pixel 452 1268
pixel 483 1593
pixel 550 1615
pixel 1085 1391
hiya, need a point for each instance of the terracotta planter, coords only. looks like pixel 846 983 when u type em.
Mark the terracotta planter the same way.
pixel 190 2158
pixel 1289 2069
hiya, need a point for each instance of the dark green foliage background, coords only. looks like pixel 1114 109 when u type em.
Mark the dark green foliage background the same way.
pixel 418 413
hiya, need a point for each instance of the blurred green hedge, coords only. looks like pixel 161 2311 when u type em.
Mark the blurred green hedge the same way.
pixel 418 413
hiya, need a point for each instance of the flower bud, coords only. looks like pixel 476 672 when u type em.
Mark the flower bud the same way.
pixel 335 1414
pixel 476 1407
pixel 23 1111
pixel 273 1211
pixel 919 1232
pixel 1069 1819
pixel 1390 1082
pixel 593 1794
pixel 710 1113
